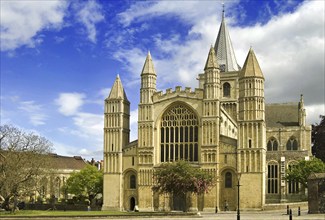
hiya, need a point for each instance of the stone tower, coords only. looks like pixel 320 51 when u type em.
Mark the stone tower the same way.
pixel 146 133
pixel 210 121
pixel 116 135
pixel 251 150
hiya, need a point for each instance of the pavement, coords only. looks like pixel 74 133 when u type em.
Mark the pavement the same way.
pixel 229 215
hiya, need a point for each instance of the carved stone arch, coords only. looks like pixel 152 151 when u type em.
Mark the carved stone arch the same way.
pixel 228 193
pixel 272 144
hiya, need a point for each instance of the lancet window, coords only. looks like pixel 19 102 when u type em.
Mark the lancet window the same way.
pixel 292 144
pixel 272 178
pixel 272 144
pixel 179 135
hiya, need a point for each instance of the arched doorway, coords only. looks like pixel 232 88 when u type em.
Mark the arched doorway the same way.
pixel 228 190
pixel 132 203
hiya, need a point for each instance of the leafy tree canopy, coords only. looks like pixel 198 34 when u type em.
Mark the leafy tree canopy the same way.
pixel 301 171
pixel 318 139
pixel 88 182
pixel 181 177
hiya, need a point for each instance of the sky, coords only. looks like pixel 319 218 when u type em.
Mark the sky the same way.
pixel 59 59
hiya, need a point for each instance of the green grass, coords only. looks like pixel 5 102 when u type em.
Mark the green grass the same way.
pixel 31 213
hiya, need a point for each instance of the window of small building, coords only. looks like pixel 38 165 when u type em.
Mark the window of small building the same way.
pixel 272 144
pixel 292 144
pixel 132 182
pixel 293 186
pixel 228 180
pixel 272 178
pixel 226 89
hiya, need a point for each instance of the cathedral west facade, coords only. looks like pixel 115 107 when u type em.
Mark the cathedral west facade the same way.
pixel 224 127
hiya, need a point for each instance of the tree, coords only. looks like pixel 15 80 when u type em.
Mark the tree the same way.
pixel 87 182
pixel 180 178
pixel 318 139
pixel 301 171
pixel 23 160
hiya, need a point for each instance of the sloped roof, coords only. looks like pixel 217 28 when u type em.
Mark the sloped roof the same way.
pixel 211 60
pixel 117 91
pixel 148 67
pixel 67 163
pixel 281 114
pixel 224 51
pixel 251 66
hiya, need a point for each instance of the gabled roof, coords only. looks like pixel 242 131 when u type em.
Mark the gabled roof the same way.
pixel 223 47
pixel 148 67
pixel 211 60
pixel 281 115
pixel 67 163
pixel 117 91
pixel 251 67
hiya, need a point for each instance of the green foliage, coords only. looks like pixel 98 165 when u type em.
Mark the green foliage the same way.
pixel 303 169
pixel 318 139
pixel 88 182
pixel 180 177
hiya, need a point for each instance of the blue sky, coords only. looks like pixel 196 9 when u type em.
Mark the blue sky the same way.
pixel 60 58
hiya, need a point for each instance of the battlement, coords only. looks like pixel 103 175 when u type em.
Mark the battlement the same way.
pixel 178 92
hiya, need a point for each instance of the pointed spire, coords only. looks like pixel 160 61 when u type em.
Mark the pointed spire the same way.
pixel 148 67
pixel 117 91
pixel 301 103
pixel 211 61
pixel 251 67
pixel 223 47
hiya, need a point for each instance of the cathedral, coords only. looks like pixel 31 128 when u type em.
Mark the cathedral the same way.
pixel 223 126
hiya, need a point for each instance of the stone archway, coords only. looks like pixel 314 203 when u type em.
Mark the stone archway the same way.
pixel 228 190
pixel 132 203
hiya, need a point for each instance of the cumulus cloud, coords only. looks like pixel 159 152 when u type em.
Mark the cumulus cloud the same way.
pixel 89 13
pixel 34 111
pixel 289 47
pixel 70 103
pixel 22 21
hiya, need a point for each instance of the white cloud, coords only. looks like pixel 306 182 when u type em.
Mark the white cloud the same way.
pixel 21 21
pixel 89 14
pixel 70 103
pixel 313 113
pixel 289 47
pixel 34 111
pixel 134 125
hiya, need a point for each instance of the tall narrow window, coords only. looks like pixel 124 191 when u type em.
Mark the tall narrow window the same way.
pixel 228 180
pixel 132 182
pixel 179 134
pixel 292 144
pixel 272 144
pixel 293 186
pixel 272 178
pixel 226 90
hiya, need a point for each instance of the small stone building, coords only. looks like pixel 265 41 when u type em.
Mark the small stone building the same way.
pixel 316 193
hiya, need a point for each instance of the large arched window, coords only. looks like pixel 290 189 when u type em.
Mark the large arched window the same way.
pixel 228 180
pixel 272 144
pixel 179 135
pixel 272 178
pixel 226 89
pixel 292 144
pixel 133 184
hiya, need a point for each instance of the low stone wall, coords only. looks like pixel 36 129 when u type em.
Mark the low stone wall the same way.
pixel 61 207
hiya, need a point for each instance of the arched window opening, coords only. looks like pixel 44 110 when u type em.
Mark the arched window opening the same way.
pixel 179 135
pixel 292 144
pixel 272 144
pixel 250 143
pixel 226 90
pixel 228 180
pixel 272 178
pixel 132 182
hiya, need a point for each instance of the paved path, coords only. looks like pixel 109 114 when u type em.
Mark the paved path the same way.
pixel 245 215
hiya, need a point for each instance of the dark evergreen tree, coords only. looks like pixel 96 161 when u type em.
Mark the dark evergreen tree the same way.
pixel 318 139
